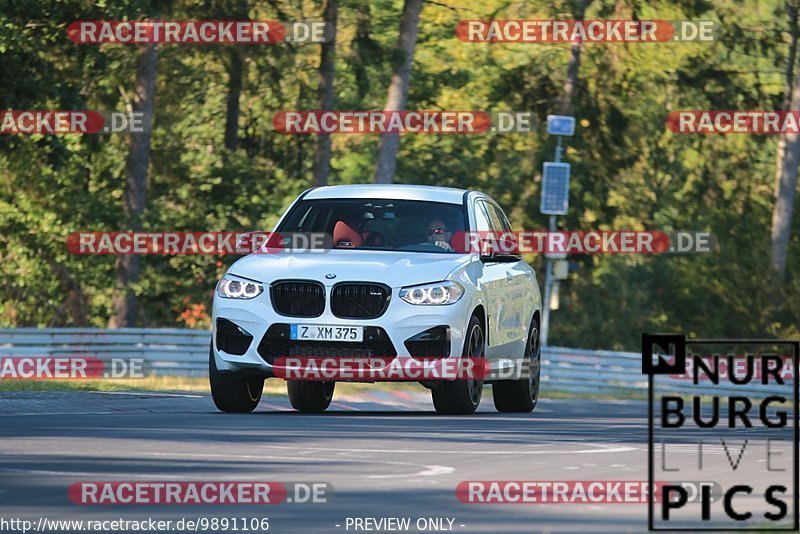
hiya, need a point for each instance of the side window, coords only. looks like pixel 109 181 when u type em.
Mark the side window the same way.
pixel 503 219
pixel 507 241
pixel 497 223
pixel 482 223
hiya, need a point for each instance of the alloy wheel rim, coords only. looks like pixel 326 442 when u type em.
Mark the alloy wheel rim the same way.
pixel 475 350
pixel 534 363
pixel 253 398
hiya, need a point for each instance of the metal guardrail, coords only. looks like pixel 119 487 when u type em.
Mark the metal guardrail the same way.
pixel 592 371
pixel 600 371
pixel 175 351
pixel 169 351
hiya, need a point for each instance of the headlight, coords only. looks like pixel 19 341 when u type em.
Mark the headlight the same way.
pixel 433 294
pixel 231 287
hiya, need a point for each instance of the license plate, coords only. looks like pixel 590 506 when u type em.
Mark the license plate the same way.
pixel 327 333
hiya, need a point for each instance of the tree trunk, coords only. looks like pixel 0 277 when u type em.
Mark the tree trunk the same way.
pixel 322 144
pixel 786 188
pixel 135 196
pixel 398 88
pixel 794 33
pixel 565 101
pixel 235 74
pixel 73 310
pixel 235 70
pixel 787 161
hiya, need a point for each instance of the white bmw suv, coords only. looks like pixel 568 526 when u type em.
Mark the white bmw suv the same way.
pixel 392 281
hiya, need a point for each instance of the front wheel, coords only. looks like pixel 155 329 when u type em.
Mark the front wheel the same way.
pixel 309 396
pixel 231 393
pixel 522 395
pixel 462 397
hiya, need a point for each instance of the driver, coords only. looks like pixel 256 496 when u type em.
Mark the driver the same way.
pixel 439 234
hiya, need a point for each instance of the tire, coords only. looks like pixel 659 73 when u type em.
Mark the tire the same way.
pixel 521 396
pixel 231 393
pixel 462 397
pixel 309 396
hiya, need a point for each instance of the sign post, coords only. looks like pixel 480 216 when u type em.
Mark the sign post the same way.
pixel 555 201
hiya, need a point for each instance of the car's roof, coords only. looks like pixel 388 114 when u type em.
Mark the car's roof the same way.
pixel 430 193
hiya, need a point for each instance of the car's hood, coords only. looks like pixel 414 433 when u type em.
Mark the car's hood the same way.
pixel 395 269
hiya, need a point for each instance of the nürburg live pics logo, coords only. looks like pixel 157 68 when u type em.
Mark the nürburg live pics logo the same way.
pixel 726 412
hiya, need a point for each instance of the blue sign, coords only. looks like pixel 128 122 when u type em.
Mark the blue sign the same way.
pixel 560 125
pixel 555 189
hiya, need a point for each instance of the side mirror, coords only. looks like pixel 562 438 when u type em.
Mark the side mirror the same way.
pixel 500 258
pixel 503 251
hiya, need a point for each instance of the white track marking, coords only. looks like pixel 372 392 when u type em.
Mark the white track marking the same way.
pixel 431 471
pixel 601 449
pixel 28 414
pixel 91 474
pixel 148 394
pixel 427 470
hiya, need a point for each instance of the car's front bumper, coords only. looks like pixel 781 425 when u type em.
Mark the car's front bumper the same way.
pixel 400 322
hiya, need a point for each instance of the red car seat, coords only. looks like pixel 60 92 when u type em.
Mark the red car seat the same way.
pixel 345 236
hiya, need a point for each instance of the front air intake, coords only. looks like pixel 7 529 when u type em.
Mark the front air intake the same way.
pixel 232 338
pixel 297 298
pixel 359 300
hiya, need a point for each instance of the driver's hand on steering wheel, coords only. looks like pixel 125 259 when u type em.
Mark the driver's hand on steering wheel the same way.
pixel 443 244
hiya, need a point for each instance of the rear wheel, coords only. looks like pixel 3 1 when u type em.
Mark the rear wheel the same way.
pixel 310 397
pixel 462 397
pixel 232 393
pixel 522 395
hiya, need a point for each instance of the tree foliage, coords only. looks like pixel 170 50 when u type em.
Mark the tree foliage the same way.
pixel 629 171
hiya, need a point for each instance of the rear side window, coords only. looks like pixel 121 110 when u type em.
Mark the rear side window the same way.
pixel 491 218
pixel 501 228
pixel 482 221
pixel 499 219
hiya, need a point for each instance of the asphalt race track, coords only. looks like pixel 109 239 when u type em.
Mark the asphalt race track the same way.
pixel 386 453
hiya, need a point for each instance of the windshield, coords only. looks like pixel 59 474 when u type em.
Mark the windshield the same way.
pixel 370 224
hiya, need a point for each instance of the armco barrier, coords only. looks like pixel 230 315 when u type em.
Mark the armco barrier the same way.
pixel 600 371
pixel 175 351
pixel 170 351
pixel 592 371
